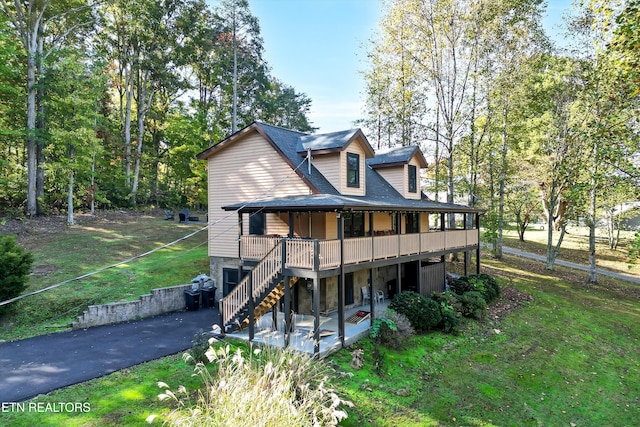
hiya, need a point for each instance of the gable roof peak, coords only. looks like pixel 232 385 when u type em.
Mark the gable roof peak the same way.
pixel 397 156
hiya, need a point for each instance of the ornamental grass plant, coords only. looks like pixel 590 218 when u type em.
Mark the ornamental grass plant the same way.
pixel 256 388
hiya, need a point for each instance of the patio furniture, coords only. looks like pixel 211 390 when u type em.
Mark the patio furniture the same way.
pixel 168 215
pixel 365 295
pixel 379 296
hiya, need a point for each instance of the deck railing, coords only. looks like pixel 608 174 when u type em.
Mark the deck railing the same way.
pixel 256 283
pixel 300 253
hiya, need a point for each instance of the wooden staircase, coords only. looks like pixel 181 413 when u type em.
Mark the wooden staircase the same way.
pixel 264 286
pixel 269 301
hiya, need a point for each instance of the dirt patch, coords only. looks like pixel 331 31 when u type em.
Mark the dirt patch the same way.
pixel 510 300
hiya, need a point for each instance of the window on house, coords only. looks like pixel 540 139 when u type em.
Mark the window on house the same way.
pixel 353 170
pixel 257 223
pixel 413 172
pixel 411 223
pixel 354 225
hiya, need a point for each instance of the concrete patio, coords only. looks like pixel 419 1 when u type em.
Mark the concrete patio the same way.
pixel 301 338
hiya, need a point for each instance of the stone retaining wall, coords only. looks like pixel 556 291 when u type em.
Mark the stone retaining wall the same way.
pixel 162 300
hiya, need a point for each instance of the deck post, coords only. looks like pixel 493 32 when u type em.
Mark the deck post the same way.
pixel 316 317
pixel 287 300
pixel 478 247
pixel 467 254
pixel 341 280
pixel 291 231
pixel 240 262
pixel 252 317
pixel 371 295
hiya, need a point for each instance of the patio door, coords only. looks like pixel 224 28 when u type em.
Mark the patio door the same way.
pixel 348 289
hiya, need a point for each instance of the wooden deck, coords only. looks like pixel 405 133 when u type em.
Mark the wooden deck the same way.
pixel 318 255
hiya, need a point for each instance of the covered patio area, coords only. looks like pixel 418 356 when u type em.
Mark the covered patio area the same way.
pixel 357 325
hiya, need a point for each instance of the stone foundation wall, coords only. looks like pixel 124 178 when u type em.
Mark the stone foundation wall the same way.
pixel 159 301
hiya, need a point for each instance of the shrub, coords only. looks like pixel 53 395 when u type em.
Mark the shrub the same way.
pixel 461 285
pixel 274 387
pixel 491 287
pixel 450 310
pixel 473 305
pixel 483 283
pixel 199 348
pixel 15 266
pixel 391 329
pixel 423 313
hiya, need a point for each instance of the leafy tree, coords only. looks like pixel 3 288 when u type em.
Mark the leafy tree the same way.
pixel 36 23
pixel 15 266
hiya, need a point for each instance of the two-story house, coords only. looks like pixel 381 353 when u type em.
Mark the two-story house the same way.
pixel 321 225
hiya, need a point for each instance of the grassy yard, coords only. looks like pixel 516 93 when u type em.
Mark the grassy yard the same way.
pixel 575 247
pixel 62 252
pixel 570 357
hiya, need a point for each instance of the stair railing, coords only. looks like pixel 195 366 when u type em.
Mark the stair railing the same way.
pixel 261 278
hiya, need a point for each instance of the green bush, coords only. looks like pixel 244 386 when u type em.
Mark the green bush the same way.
pixel 423 313
pixel 473 305
pixel 384 331
pixel 391 329
pixel 483 283
pixel 15 266
pixel 450 310
pixel 491 288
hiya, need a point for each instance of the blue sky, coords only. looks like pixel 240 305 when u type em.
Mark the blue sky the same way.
pixel 319 48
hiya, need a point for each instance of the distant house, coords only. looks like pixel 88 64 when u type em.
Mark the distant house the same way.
pixel 320 225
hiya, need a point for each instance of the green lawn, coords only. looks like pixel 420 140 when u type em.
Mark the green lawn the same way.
pixel 571 357
pixel 68 252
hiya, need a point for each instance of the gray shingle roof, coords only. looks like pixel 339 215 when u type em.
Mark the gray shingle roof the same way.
pixel 380 195
pixel 395 156
pixel 327 141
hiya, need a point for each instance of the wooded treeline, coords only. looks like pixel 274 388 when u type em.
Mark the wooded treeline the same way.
pixel 513 123
pixel 106 103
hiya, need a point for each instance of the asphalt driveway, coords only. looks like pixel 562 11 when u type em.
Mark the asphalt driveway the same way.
pixel 45 363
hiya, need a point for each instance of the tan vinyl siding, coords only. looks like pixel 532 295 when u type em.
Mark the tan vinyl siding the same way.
pixel 424 222
pixel 356 148
pixel 381 221
pixel 416 195
pixel 331 226
pixel 329 166
pixel 396 177
pixel 240 172
pixel 275 225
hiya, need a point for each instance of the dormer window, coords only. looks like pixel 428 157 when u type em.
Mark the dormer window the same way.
pixel 353 170
pixel 413 187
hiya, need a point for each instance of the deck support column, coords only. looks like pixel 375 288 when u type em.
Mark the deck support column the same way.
pixel 252 317
pixel 341 280
pixel 287 301
pixel 478 247
pixel 371 295
pixel 399 281
pixel 316 318
pixel 443 229
pixel 240 263
pixel 467 254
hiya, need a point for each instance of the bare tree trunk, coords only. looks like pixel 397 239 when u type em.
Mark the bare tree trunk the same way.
pixel 32 153
pixel 70 220
pixel 128 83
pixel 503 176
pixel 591 218
pixel 40 123
pixel 144 104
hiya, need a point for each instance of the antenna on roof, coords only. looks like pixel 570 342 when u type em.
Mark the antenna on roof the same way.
pixel 309 159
